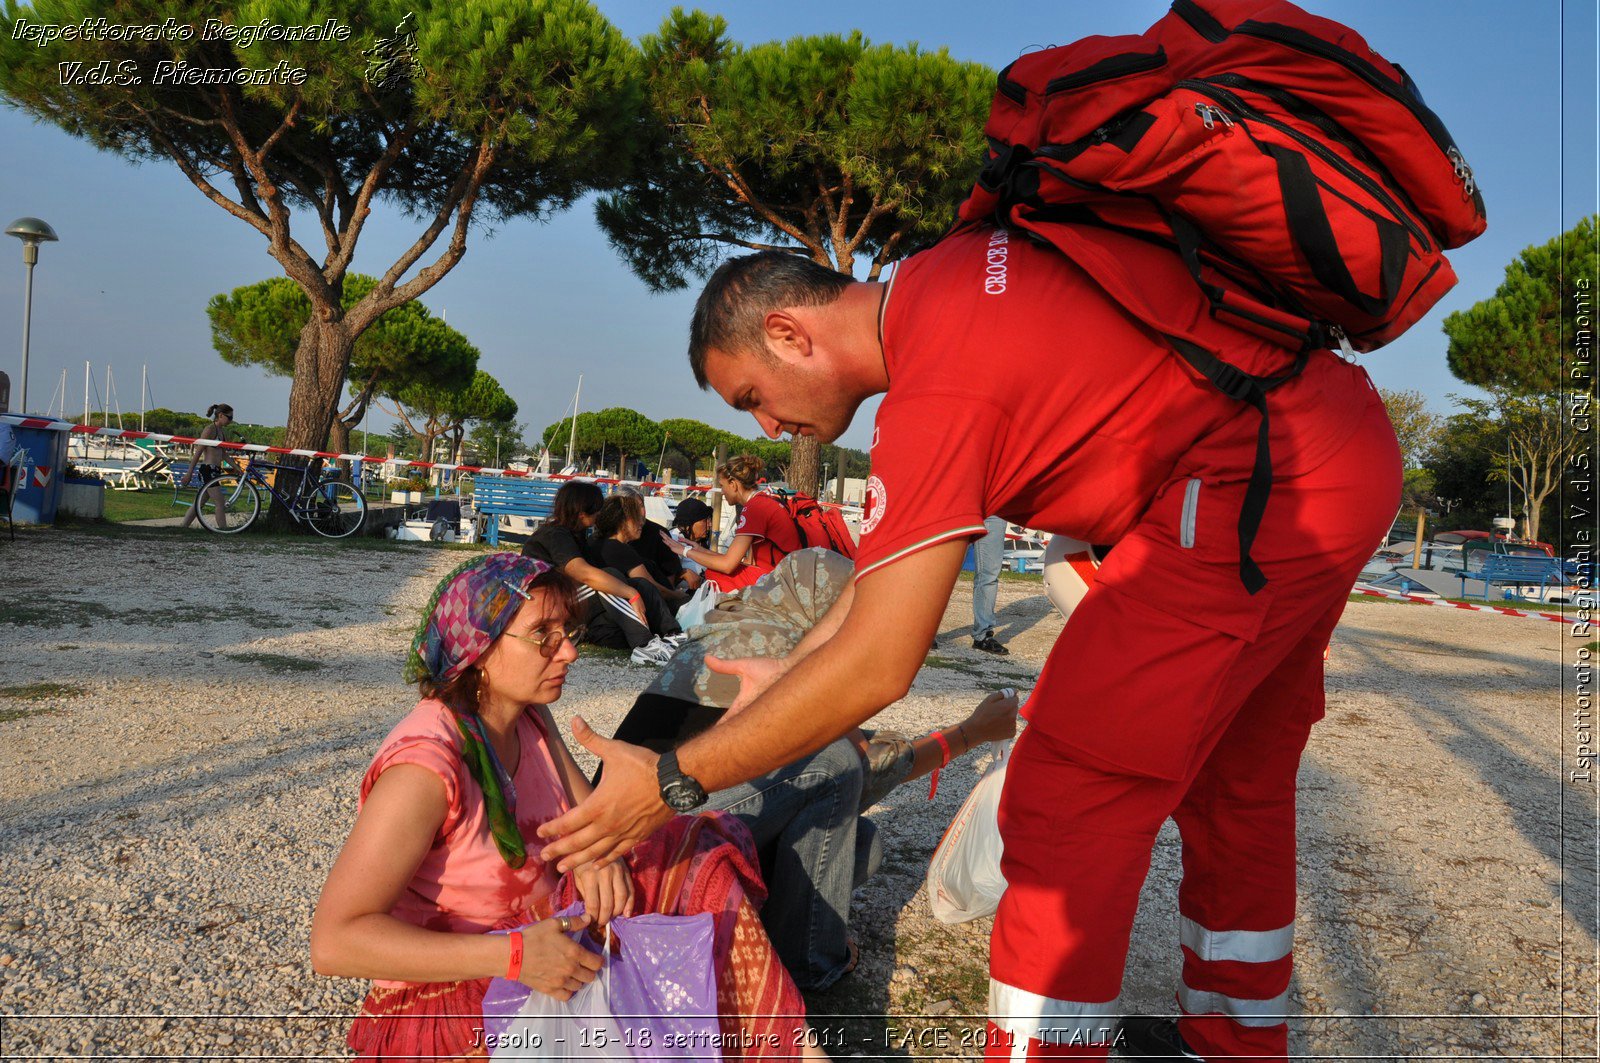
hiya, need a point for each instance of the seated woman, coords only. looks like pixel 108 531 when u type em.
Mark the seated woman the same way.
pixel 439 856
pixel 806 817
pixel 618 612
pixel 617 528
pixel 763 535
pixel 664 566
pixel 691 526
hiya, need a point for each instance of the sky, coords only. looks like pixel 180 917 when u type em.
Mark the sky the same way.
pixel 141 251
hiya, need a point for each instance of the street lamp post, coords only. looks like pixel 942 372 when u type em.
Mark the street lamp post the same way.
pixel 32 232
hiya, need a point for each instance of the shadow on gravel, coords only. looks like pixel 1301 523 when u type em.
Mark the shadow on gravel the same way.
pixel 231 770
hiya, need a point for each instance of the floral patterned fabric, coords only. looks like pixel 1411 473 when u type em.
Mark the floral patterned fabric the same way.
pixel 765 619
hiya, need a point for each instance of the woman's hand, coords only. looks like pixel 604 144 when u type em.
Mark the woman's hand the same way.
pixel 553 963
pixel 607 891
pixel 995 718
pixel 681 549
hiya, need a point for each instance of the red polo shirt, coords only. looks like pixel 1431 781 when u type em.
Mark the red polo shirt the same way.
pixel 1018 388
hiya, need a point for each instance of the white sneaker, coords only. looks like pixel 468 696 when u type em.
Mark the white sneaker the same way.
pixel 658 651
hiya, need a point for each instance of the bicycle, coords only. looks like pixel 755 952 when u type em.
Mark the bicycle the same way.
pixel 329 505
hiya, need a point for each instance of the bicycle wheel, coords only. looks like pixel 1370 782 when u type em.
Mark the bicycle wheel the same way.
pixel 239 504
pixel 335 509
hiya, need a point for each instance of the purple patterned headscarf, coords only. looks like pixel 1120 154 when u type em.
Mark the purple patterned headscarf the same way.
pixel 468 611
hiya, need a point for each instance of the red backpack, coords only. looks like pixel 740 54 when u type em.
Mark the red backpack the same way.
pixel 1308 189
pixel 817 524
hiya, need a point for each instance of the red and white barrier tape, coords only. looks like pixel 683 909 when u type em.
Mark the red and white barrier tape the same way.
pixel 50 424
pixel 1375 593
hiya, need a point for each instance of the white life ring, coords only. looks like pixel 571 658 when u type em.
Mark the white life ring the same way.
pixel 1070 567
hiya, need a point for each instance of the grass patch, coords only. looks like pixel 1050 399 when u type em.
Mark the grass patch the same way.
pixel 8 715
pixel 40 691
pixel 603 653
pixel 123 506
pixel 62 612
pixel 277 662
pixel 977 671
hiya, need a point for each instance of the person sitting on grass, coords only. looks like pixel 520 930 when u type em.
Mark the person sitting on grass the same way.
pixel 443 853
pixel 807 818
pixel 691 526
pixel 664 566
pixel 618 612
pixel 612 544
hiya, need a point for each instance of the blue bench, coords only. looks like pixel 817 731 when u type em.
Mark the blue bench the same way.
pixel 512 496
pixel 1514 570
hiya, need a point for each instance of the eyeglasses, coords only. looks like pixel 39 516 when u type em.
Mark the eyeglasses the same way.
pixel 550 642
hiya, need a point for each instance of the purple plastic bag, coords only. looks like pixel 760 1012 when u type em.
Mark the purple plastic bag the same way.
pixel 661 987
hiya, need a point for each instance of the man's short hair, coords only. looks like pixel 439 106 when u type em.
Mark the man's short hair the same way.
pixel 729 314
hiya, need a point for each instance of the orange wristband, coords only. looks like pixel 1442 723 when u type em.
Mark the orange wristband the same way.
pixel 944 744
pixel 514 968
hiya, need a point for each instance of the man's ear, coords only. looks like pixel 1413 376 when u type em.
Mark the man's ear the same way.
pixel 786 336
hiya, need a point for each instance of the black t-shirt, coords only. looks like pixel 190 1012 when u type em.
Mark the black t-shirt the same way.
pixel 611 553
pixel 664 565
pixel 554 545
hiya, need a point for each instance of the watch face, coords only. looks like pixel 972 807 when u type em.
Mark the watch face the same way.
pixel 682 795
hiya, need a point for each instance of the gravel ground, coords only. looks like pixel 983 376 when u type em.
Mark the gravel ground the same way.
pixel 186 721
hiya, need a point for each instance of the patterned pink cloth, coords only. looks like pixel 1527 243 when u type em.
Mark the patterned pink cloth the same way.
pixel 463 884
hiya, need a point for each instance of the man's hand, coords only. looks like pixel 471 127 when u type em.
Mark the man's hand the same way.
pixel 755 675
pixel 622 811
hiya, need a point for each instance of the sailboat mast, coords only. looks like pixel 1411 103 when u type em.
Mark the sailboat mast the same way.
pixel 572 438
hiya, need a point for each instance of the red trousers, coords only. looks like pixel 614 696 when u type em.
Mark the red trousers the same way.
pixel 1173 692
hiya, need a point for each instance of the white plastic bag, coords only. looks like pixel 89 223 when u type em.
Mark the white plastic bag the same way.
pixel 693 612
pixel 964 880
pixel 576 1029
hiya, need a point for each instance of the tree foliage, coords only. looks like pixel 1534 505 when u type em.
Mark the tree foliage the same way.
pixel 827 146
pixel 1512 341
pixel 1414 426
pixel 510 107
pixel 260 324
pixel 433 413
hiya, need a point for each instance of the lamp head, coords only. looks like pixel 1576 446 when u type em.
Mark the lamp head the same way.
pixel 32 232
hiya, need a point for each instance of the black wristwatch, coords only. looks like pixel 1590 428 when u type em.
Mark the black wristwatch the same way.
pixel 679 791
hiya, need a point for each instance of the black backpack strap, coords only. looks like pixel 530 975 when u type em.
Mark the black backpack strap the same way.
pixel 1251 390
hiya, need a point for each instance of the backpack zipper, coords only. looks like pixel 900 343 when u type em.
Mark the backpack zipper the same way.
pixel 1429 121
pixel 1310 113
pixel 1373 188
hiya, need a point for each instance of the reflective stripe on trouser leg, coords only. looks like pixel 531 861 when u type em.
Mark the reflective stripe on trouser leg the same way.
pixel 1024 1025
pixel 1237 898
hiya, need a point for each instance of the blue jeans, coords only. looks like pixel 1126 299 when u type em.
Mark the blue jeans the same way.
pixel 808 811
pixel 988 555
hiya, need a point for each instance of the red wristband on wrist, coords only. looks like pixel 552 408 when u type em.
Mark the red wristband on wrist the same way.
pixel 514 968
pixel 944 746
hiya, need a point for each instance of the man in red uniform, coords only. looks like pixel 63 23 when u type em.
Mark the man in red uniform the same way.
pixel 1015 387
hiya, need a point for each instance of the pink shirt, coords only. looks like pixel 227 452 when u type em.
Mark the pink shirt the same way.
pixel 463 885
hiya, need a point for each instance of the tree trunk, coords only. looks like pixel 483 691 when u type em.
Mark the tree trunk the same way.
pixel 804 464
pixel 320 365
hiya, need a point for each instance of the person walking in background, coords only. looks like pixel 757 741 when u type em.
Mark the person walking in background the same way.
pixel 206 464
pixel 988 556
